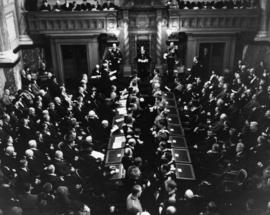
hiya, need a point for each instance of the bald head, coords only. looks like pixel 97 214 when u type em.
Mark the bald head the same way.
pixel 171 210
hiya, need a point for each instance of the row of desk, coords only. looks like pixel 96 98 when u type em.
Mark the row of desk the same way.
pixel 180 152
pixel 183 165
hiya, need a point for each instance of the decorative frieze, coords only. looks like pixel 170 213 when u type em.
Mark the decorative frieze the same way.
pixel 213 20
pixel 71 22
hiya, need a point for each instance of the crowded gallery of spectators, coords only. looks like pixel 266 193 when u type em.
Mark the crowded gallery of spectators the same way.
pixel 134 107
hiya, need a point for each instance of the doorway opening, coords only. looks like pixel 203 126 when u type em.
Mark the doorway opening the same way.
pixel 212 56
pixel 74 64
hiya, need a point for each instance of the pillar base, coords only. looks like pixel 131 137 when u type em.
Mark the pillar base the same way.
pixel 262 36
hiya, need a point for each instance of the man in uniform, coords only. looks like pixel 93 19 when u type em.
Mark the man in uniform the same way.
pixel 115 57
pixel 170 57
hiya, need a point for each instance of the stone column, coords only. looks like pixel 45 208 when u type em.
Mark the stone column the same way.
pixel 263 34
pixel 9 61
pixel 127 67
pixel 159 38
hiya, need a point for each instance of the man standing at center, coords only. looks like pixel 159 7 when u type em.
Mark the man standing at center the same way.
pixel 143 61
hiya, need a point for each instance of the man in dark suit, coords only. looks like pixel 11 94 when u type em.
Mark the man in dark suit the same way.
pixel 115 57
pixel 51 177
pixel 24 174
pixel 143 62
pixel 61 166
pixel 28 201
pixel 197 68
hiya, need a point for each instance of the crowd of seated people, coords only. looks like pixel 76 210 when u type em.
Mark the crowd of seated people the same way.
pixel 213 4
pixel 75 6
pixel 53 143
pixel 52 147
pixel 227 123
pixel 226 120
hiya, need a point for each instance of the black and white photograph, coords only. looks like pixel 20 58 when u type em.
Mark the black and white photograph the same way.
pixel 134 107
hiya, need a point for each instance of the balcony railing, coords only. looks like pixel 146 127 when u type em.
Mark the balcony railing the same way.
pixel 235 20
pixel 59 23
pixel 53 23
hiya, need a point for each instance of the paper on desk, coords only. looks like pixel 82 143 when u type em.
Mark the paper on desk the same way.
pixel 119 120
pixel 118 142
pixel 113 78
pixel 122 111
pixel 97 155
pixel 114 128
pixel 179 170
